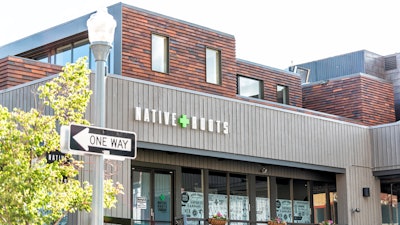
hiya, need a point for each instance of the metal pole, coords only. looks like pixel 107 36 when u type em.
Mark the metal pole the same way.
pixel 100 52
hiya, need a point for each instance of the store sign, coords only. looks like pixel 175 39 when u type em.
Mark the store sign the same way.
pixel 172 119
pixel 54 156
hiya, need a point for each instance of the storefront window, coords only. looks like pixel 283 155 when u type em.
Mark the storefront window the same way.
pixel 217 197
pixel 319 200
pixel 283 202
pixel 389 203
pixel 333 202
pixel 301 203
pixel 238 199
pixel 262 200
pixel 325 201
pixel 192 195
pixel 141 195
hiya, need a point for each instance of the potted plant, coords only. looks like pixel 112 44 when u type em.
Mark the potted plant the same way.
pixel 217 219
pixel 277 221
pixel 327 222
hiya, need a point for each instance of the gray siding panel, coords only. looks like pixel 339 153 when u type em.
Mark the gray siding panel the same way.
pixel 386 147
pixel 22 96
pixel 254 129
pixel 336 66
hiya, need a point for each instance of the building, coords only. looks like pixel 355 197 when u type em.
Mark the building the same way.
pixel 220 134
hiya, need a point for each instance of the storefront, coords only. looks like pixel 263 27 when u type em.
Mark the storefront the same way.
pixel 243 192
pixel 204 148
pixel 193 171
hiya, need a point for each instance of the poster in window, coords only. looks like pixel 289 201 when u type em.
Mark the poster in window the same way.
pixel 217 203
pixel 141 202
pixel 239 207
pixel 284 209
pixel 302 212
pixel 192 204
pixel 262 205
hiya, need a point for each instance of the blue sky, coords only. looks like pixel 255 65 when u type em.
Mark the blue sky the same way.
pixel 274 33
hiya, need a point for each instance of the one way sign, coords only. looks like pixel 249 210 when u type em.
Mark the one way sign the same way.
pixel 96 140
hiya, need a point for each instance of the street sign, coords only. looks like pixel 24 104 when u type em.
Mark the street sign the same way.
pixel 97 140
pixel 54 156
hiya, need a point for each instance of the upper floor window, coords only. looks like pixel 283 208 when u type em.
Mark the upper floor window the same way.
pixel 303 72
pixel 213 67
pixel 61 54
pixel 64 55
pixel 159 53
pixel 81 49
pixel 249 87
pixel 282 94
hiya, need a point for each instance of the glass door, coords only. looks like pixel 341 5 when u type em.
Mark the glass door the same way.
pixel 152 195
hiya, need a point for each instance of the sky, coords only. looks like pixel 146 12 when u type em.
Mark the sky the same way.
pixel 274 33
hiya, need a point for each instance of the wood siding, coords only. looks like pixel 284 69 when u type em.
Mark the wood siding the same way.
pixel 254 129
pixel 386 147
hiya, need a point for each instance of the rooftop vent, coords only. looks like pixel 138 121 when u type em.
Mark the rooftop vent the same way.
pixel 390 63
pixel 303 72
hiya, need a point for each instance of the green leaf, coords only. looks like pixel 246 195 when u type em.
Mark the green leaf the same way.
pixel 33 191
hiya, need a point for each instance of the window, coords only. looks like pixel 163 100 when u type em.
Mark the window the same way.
pixel 80 49
pixel 44 59
pixel 283 201
pixel 64 55
pixel 303 72
pixel 262 199
pixel 67 53
pixel 192 195
pixel 249 87
pixel 159 53
pixel 217 196
pixel 282 94
pixel 213 71
pixel 301 202
pixel 238 198
pixel 324 201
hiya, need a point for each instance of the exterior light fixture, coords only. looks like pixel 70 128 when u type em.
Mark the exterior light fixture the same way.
pixel 101 28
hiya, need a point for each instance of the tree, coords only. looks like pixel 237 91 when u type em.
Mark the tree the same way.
pixel 33 191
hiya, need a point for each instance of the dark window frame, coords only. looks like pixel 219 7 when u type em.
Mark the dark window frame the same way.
pixel 219 64
pixel 285 97
pixel 261 86
pixel 167 54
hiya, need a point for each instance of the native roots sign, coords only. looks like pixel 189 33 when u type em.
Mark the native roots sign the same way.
pixel 172 119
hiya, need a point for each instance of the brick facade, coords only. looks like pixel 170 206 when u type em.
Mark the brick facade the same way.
pixel 356 99
pixel 187 52
pixel 271 78
pixel 360 97
pixel 16 70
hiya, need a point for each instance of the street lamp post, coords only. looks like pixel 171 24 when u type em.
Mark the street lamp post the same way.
pixel 101 28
